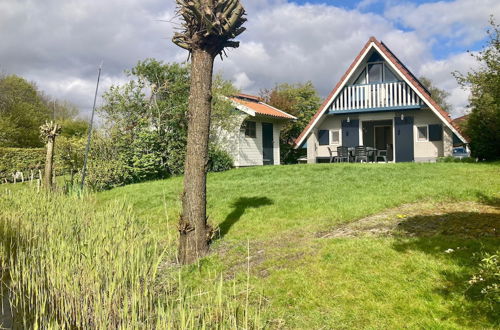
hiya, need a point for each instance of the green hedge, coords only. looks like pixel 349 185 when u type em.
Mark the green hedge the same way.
pixel 24 160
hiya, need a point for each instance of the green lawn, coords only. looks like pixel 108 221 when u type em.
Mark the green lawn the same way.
pixel 364 282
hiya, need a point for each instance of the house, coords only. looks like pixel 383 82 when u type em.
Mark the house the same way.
pixel 254 138
pixel 379 103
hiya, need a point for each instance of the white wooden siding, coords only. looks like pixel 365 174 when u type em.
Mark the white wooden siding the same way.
pixel 250 149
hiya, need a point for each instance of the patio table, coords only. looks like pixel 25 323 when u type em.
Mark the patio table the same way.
pixel 372 152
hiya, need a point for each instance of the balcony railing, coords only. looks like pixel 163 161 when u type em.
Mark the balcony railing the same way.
pixel 376 96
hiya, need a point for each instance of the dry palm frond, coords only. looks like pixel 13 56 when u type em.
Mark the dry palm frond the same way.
pixel 210 24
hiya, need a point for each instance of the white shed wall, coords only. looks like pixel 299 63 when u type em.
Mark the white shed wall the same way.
pixel 248 151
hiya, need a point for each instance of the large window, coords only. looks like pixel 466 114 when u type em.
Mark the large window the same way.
pixel 250 129
pixel 376 71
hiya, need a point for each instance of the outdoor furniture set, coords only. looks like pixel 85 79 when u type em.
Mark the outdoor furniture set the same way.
pixel 357 154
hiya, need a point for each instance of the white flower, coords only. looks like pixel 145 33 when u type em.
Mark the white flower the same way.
pixel 449 251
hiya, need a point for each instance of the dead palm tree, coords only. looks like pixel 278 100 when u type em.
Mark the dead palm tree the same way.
pixel 48 132
pixel 208 28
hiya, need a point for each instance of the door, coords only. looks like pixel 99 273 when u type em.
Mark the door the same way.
pixel 404 139
pixel 350 133
pixel 267 143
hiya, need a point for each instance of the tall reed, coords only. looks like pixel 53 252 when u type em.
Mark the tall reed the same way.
pixel 73 264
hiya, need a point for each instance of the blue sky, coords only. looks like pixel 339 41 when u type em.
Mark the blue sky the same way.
pixel 443 46
pixel 286 41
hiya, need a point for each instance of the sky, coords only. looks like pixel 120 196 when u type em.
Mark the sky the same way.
pixel 58 44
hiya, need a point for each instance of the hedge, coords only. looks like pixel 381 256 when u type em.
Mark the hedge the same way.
pixel 23 160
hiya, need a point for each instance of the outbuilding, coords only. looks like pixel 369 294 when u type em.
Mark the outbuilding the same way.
pixel 255 139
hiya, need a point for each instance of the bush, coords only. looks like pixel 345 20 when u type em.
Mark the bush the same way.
pixel 108 174
pixel 485 284
pixel 23 160
pixel 117 163
pixel 451 159
pixel 219 160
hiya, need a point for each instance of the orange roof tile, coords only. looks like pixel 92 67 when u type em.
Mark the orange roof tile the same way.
pixel 253 103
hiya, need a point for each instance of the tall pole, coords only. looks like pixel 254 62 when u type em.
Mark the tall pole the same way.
pixel 89 137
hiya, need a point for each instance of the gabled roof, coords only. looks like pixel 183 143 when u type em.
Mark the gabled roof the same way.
pixel 400 68
pixel 246 102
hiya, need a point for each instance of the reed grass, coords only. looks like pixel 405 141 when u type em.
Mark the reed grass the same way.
pixel 73 265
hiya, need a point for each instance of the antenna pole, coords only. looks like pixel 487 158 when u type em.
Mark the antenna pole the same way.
pixel 89 137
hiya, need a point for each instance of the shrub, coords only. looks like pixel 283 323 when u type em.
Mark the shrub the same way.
pixel 219 160
pixel 14 160
pixel 117 163
pixel 145 157
pixel 69 153
pixel 451 159
pixel 105 174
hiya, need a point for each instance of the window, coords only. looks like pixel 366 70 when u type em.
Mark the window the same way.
pixel 422 133
pixel 323 137
pixel 250 129
pixel 375 57
pixel 361 78
pixel 335 137
pixel 375 73
pixel 388 75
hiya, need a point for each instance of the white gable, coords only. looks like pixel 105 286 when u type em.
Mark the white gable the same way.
pixel 395 94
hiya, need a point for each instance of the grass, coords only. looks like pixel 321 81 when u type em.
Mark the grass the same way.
pixel 293 278
pixel 257 202
pixel 70 265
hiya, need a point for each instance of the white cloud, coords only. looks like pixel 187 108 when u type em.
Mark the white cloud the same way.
pixel 241 81
pixel 59 43
pixel 440 72
pixel 461 21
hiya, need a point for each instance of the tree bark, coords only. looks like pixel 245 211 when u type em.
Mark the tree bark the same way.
pixel 193 227
pixel 49 163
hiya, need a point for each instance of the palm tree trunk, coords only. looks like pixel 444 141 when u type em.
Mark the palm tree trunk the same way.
pixel 193 227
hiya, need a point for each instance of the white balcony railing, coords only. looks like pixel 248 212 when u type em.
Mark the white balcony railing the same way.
pixel 373 96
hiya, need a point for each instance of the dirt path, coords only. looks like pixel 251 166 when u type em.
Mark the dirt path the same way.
pixel 466 219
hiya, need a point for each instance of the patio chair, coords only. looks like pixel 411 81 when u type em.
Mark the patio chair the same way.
pixel 332 157
pixel 381 154
pixel 360 153
pixel 342 154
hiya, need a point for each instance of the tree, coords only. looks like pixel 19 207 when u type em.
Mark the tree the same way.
pixel 22 111
pixel 24 108
pixel 208 28
pixel 300 100
pixel 146 120
pixel 49 132
pixel 483 124
pixel 438 95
